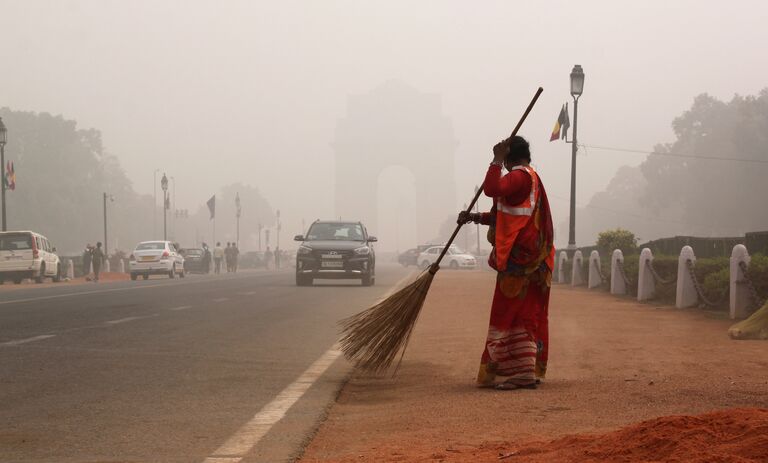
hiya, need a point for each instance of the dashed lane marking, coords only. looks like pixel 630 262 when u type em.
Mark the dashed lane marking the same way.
pixel 24 341
pixel 221 299
pixel 235 449
pixel 128 319
pixel 183 307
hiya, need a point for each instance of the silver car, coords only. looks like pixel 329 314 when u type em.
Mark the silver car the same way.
pixel 156 258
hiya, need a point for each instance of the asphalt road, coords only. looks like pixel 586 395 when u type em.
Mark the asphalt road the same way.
pixel 169 370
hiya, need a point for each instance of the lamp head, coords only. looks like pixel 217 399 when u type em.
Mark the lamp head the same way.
pixel 577 81
pixel 164 182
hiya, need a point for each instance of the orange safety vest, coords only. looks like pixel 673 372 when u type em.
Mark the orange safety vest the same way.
pixel 512 218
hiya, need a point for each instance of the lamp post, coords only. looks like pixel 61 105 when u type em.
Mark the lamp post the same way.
pixel 277 246
pixel 3 139
pixel 106 243
pixel 164 186
pixel 261 227
pixel 577 88
pixel 238 210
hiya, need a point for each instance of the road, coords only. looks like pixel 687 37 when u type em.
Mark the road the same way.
pixel 170 370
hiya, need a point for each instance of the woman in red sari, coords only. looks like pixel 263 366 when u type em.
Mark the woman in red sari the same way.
pixel 516 349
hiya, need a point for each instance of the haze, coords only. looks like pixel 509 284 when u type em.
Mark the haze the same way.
pixel 218 93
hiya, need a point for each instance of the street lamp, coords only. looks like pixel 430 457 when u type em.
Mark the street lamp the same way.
pixel 237 215
pixel 577 88
pixel 164 186
pixel 106 243
pixel 3 140
pixel 277 247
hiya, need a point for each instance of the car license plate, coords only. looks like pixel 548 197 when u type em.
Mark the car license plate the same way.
pixel 331 256
pixel 332 264
pixel 147 258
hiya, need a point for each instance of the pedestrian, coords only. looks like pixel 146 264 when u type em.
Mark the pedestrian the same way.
pixel 226 257
pixel 235 256
pixel 218 255
pixel 87 258
pixel 98 258
pixel 523 256
pixel 268 256
pixel 206 259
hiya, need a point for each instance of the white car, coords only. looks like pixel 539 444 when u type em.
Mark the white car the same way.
pixel 156 258
pixel 26 254
pixel 455 258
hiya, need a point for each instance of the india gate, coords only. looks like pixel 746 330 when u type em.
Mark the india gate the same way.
pixel 396 125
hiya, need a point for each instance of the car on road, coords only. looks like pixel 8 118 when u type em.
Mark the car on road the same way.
pixel 156 258
pixel 411 256
pixel 194 260
pixel 26 254
pixel 455 258
pixel 336 250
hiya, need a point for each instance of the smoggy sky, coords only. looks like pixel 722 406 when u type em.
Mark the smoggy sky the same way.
pixel 217 92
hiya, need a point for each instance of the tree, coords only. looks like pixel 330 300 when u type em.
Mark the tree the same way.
pixel 610 240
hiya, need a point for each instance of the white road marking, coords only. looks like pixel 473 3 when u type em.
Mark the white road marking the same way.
pixel 183 307
pixel 221 299
pixel 237 446
pixel 24 341
pixel 128 319
pixel 248 293
pixel 129 288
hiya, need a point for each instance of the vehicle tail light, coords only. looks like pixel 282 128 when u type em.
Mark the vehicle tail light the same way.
pixel 166 254
pixel 35 251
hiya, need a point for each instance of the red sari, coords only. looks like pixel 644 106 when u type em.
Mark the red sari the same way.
pixel 518 334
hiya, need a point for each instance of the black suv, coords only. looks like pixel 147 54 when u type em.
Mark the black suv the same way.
pixel 336 250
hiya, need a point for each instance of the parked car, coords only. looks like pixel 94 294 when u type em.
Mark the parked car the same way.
pixel 411 256
pixel 156 258
pixel 194 260
pixel 455 258
pixel 26 254
pixel 336 250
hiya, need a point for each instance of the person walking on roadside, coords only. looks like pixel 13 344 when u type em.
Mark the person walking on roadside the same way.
pixel 206 259
pixel 218 255
pixel 98 258
pixel 227 257
pixel 87 259
pixel 268 256
pixel 235 256
pixel 523 254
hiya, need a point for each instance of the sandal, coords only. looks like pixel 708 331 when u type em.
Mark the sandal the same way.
pixel 512 385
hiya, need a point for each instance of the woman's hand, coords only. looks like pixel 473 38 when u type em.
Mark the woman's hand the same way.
pixel 467 217
pixel 500 151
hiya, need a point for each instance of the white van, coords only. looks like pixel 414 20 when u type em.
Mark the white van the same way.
pixel 26 254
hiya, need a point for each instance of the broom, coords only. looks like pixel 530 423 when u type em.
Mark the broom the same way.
pixel 373 338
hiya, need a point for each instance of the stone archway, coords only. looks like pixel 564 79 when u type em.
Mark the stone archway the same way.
pixel 395 125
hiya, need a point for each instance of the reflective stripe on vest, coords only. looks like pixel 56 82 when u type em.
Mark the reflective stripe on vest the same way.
pixel 523 209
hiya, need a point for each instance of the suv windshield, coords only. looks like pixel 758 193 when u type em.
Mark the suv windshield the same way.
pixel 145 246
pixel 15 241
pixel 335 231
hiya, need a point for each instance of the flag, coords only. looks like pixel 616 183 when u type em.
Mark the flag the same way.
pixel 566 124
pixel 10 176
pixel 561 118
pixel 212 206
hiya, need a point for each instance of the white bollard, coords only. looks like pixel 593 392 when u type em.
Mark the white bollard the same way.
pixel 560 267
pixel 618 285
pixel 121 267
pixel 106 266
pixel 594 270
pixel 646 285
pixel 90 269
pixel 577 279
pixel 686 295
pixel 70 269
pixel 741 298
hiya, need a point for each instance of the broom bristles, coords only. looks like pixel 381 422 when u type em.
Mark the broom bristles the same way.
pixel 373 338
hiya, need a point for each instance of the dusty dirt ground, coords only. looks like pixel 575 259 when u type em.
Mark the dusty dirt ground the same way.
pixel 613 363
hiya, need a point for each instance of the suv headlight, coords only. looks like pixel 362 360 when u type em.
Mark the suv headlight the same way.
pixel 304 250
pixel 362 251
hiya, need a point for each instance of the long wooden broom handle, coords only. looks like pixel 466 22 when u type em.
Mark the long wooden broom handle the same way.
pixel 436 266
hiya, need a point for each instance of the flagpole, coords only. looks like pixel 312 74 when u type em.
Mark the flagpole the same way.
pixel 2 165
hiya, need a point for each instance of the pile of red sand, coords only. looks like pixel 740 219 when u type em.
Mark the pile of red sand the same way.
pixel 736 435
